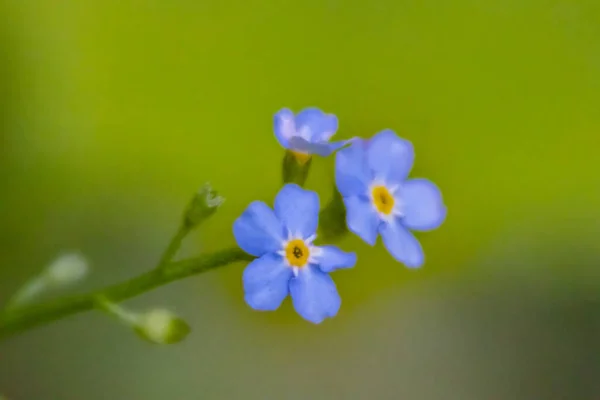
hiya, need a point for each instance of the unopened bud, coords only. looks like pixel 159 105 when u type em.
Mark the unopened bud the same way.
pixel 204 204
pixel 160 326
pixel 67 269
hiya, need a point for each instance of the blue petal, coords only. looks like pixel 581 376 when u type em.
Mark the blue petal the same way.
pixel 284 126
pixel 298 210
pixel 390 157
pixel 331 258
pixel 314 125
pixel 266 282
pixel 329 126
pixel 402 244
pixel 352 176
pixel 322 149
pixel 334 146
pixel 361 218
pixel 314 295
pixel 258 231
pixel 423 207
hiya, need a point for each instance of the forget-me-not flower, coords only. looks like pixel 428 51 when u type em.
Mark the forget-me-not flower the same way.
pixel 371 175
pixel 306 133
pixel 288 262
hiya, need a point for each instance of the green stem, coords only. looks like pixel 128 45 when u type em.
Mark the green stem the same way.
pixel 332 219
pixel 29 317
pixel 173 246
pixel 295 170
pixel 27 293
pixel 115 310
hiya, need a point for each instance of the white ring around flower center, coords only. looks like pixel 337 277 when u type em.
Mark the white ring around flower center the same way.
pixel 313 251
pixel 393 191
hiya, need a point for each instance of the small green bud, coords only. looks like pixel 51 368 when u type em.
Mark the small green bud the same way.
pixel 204 204
pixel 64 271
pixel 295 167
pixel 67 269
pixel 160 326
pixel 157 326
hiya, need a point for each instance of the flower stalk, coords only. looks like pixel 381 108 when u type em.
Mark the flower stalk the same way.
pixel 13 322
pixel 202 206
pixel 373 196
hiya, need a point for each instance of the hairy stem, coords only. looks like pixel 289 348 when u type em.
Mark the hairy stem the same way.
pixel 29 317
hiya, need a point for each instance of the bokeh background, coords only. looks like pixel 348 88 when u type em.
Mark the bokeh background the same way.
pixel 113 112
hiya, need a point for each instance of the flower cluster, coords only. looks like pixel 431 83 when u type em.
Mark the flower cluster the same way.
pixel 371 175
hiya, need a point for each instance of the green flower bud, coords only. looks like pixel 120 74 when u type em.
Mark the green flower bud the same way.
pixel 67 269
pixel 157 326
pixel 204 204
pixel 160 326
pixel 64 271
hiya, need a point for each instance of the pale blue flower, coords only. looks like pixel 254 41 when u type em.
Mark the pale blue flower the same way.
pixel 307 132
pixel 288 262
pixel 371 175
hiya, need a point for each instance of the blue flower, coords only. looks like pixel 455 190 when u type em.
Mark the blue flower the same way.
pixel 371 175
pixel 288 262
pixel 308 132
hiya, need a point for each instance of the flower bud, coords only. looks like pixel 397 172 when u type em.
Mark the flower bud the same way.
pixel 204 204
pixel 67 269
pixel 160 326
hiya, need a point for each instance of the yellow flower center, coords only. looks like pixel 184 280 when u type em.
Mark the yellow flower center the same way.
pixel 301 158
pixel 297 253
pixel 383 200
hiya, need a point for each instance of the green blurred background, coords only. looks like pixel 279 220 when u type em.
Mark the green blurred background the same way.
pixel 113 112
